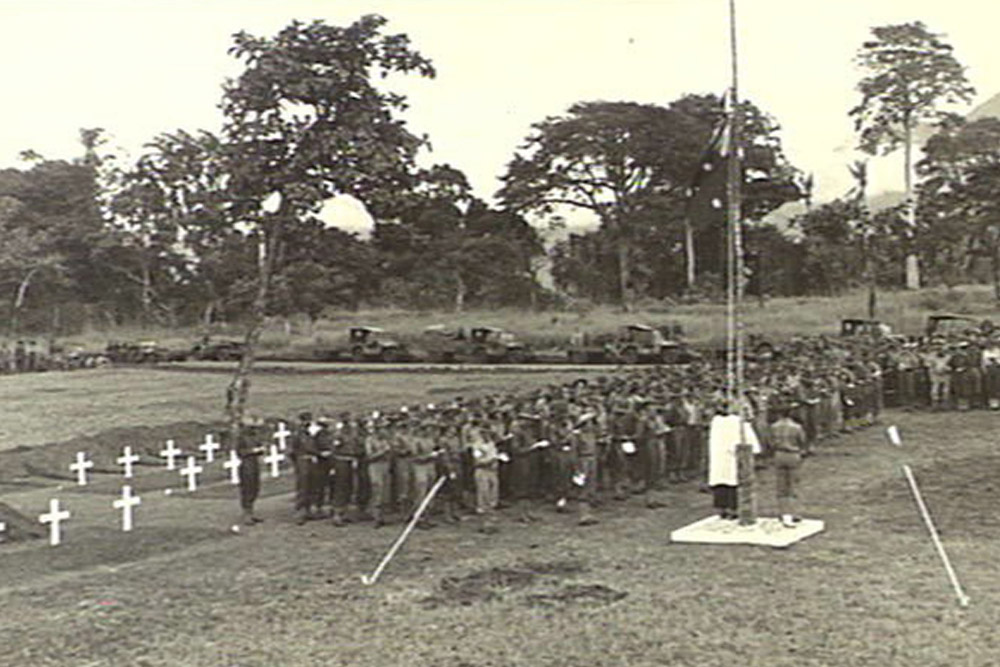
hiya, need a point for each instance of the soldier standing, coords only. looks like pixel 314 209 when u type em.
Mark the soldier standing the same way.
pixel 484 455
pixel 378 456
pixel 789 439
pixel 584 440
pixel 249 448
pixel 424 468
pixel 302 460
pixel 345 466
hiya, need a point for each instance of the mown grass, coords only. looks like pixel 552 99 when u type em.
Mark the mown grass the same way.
pixel 905 311
pixel 869 590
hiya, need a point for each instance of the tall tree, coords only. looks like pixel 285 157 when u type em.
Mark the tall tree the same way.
pixel 305 121
pixel 960 193
pixel 910 74
pixel 632 165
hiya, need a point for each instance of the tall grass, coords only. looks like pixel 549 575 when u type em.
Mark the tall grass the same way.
pixel 904 311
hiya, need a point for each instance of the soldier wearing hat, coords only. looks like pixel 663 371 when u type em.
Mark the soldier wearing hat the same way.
pixel 789 441
pixel 301 445
pixel 378 458
pixel 484 452
pixel 249 448
pixel 345 465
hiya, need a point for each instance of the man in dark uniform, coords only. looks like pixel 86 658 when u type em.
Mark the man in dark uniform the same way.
pixel 302 460
pixel 249 448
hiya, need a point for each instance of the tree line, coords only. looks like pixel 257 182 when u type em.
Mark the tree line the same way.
pixel 207 227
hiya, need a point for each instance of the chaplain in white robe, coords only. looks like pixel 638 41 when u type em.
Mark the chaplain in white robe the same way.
pixel 725 433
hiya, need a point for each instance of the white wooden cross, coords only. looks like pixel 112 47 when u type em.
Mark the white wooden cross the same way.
pixel 191 471
pixel 125 504
pixel 209 447
pixel 281 435
pixel 233 466
pixel 274 459
pixel 170 454
pixel 127 459
pixel 54 517
pixel 81 467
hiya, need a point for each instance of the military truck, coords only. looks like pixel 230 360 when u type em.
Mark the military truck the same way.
pixel 218 350
pixel 374 344
pixel 631 344
pixel 480 345
pixel 946 324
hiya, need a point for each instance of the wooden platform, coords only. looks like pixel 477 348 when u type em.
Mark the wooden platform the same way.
pixel 767 531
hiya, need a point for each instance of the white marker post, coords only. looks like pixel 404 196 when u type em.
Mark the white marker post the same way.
pixel 281 435
pixel 233 466
pixel 55 517
pixel 963 599
pixel 3 531
pixel 370 580
pixel 170 454
pixel 81 467
pixel 893 434
pixel 125 504
pixel 127 459
pixel 191 471
pixel 274 459
pixel 209 447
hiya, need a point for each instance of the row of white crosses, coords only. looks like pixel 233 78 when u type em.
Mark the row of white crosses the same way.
pixel 127 502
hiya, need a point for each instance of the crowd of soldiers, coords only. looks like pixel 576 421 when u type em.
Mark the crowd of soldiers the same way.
pixel 615 436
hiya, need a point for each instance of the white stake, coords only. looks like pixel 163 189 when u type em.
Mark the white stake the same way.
pixel 55 517
pixel 233 466
pixel 81 467
pixel 369 581
pixel 963 599
pixel 274 459
pixel 209 447
pixel 125 504
pixel 127 459
pixel 281 435
pixel 191 471
pixel 893 433
pixel 170 454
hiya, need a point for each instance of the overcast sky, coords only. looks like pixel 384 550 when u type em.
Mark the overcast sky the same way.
pixel 138 68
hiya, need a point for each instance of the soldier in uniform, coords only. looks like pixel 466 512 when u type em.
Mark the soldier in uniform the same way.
pixel 345 465
pixel 378 458
pixel 423 459
pixel 584 440
pixel 484 455
pixel 249 448
pixel 303 462
pixel 788 439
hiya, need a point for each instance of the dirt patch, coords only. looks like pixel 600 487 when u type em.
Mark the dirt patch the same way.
pixel 578 593
pixel 496 582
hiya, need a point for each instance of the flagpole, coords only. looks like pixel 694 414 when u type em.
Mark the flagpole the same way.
pixel 735 370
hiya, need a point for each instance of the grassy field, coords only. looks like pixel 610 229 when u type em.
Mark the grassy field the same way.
pixel 702 323
pixel 184 590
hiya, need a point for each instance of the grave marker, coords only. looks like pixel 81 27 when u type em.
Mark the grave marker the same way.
pixel 127 459
pixel 191 471
pixel 125 504
pixel 233 466
pixel 170 454
pixel 54 518
pixel 281 435
pixel 274 459
pixel 81 467
pixel 209 447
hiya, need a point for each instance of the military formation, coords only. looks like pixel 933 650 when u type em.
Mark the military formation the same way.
pixel 607 438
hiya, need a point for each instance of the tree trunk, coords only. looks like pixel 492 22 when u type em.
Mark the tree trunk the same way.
pixel 19 297
pixel 239 387
pixel 995 262
pixel 623 274
pixel 689 253
pixel 147 293
pixel 459 293
pixel 912 267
